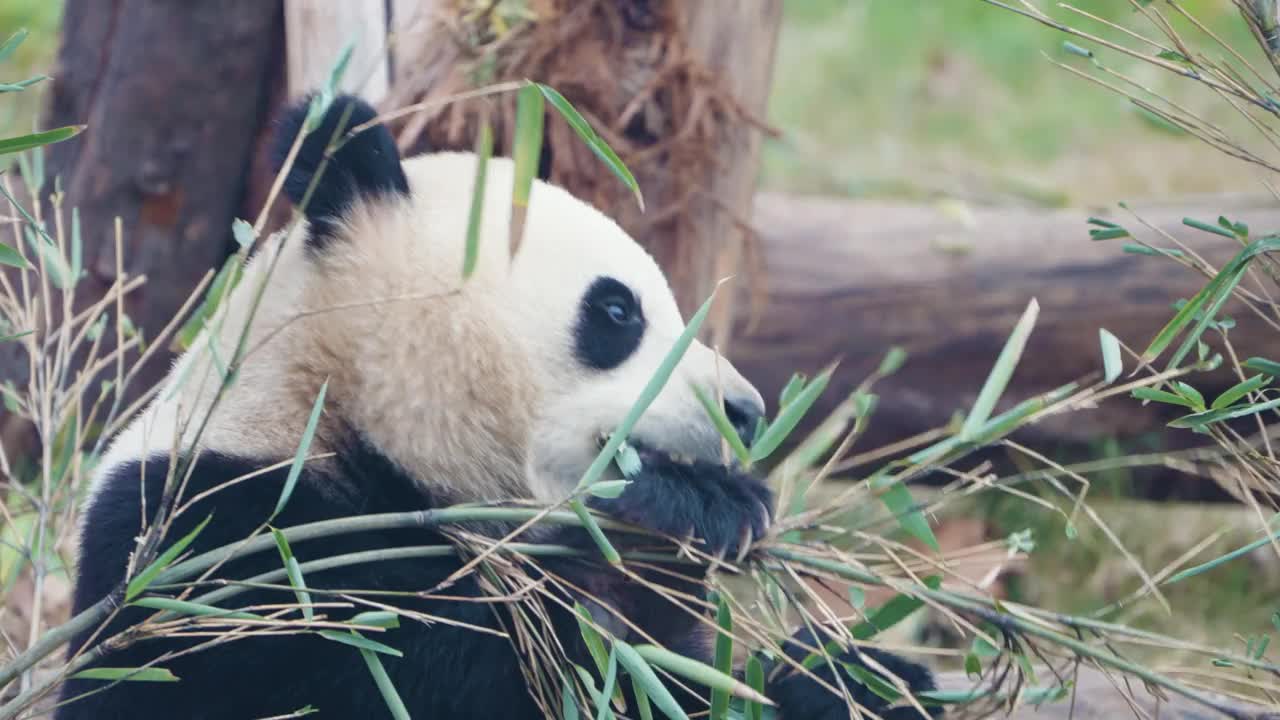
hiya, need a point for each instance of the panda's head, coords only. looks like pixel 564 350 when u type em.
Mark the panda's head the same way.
pixel 510 377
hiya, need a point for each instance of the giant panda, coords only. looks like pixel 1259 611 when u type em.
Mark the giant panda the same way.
pixel 440 391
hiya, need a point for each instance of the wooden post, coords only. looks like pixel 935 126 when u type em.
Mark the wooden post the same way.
pixel 174 96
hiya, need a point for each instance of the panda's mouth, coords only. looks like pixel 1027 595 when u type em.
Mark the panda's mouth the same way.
pixel 643 447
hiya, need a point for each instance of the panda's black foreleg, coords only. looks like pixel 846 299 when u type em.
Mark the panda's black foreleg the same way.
pixel 800 696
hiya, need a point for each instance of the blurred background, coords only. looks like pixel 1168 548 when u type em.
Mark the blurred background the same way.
pixel 938 163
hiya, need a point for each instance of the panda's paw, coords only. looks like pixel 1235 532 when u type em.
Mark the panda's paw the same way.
pixel 723 507
pixel 800 696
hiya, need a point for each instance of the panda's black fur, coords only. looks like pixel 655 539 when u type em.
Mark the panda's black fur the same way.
pixel 448 670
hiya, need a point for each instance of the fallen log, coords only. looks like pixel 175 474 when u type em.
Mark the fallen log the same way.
pixel 847 280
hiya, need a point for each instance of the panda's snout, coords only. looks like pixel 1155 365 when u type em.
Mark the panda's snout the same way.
pixel 744 413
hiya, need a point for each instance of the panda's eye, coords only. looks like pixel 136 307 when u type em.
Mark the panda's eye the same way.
pixel 621 310
pixel 609 326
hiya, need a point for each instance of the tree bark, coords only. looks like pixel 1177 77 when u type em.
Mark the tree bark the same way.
pixel 174 96
pixel 848 280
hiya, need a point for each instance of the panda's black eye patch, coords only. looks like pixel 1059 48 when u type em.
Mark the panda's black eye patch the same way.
pixel 610 325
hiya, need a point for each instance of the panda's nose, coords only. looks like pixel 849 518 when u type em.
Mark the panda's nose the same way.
pixel 744 413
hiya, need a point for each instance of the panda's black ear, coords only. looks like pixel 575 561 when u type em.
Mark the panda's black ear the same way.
pixel 365 165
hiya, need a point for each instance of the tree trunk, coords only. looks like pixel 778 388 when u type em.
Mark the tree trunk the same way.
pixel 174 96
pixel 674 87
pixel 848 280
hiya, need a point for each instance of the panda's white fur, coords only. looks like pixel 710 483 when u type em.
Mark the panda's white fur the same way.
pixel 467 382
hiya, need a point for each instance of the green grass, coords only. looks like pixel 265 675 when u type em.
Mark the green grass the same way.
pixel 35 56
pixel 920 97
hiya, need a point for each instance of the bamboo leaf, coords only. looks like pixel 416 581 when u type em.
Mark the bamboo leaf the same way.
pixel 898 499
pixel 789 416
pixel 185 607
pixel 484 150
pixel 1263 365
pixel 593 141
pixel 527 150
pixel 1239 390
pixel 149 674
pixel 377 618
pixel 35 140
pixel 1112 363
pixel 1160 396
pixel 12 258
pixel 608 488
pixel 610 687
pixel 383 681
pixel 355 639
pixel 755 678
pixel 12 43
pixel 299 457
pixel 148 575
pixel 1214 416
pixel 1000 374
pixel 723 658
pixel 718 417
pixel 646 678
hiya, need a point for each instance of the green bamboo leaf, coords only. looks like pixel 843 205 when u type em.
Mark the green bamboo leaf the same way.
pixel 755 678
pixel 22 84
pixel 791 389
pixel 15 336
pixel 1112 363
pixel 133 674
pixel 646 678
pixel 224 282
pixel 591 638
pixel 1000 374
pixel 148 575
pixel 1263 365
pixel 610 687
pixel 1108 233
pixel 1160 396
pixel 243 233
pixel 872 681
pixel 377 618
pixel 723 658
pixel 484 150
pixel 893 360
pixel 698 672
pixel 642 700
pixel 527 150
pixel 55 266
pixel 1214 416
pixel 294 572
pixel 295 469
pixel 789 416
pixel 355 639
pixel 35 140
pixel 385 687
pixel 1206 227
pixel 569 706
pixel 593 141
pixel 185 607
pixel 12 258
pixel 718 418
pixel 608 488
pixel 898 499
pixel 12 43
pixel 1239 390
pixel 1190 393
pixel 1136 249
